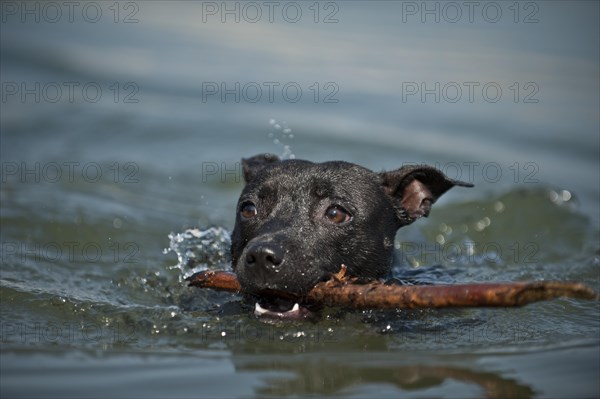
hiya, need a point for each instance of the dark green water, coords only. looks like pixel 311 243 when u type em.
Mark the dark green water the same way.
pixel 91 305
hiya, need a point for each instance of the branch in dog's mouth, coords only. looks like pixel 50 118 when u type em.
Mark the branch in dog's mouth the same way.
pixel 270 303
pixel 345 291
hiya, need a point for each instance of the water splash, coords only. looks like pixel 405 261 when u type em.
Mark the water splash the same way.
pixel 199 250
pixel 281 134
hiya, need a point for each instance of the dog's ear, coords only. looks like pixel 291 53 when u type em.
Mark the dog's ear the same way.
pixel 414 189
pixel 253 165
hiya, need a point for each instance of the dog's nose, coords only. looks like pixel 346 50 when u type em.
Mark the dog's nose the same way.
pixel 264 256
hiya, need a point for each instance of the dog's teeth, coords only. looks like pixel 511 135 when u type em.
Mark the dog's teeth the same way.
pixel 259 310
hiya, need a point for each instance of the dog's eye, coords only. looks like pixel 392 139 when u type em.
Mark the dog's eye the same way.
pixel 248 210
pixel 338 215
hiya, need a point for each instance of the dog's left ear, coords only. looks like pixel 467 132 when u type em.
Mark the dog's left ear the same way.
pixel 414 189
pixel 253 165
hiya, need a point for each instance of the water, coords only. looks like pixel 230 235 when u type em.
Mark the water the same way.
pixel 199 250
pixel 93 194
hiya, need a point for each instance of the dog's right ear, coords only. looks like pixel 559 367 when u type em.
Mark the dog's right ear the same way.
pixel 414 189
pixel 253 165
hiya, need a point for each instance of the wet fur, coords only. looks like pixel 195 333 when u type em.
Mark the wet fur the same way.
pixel 291 198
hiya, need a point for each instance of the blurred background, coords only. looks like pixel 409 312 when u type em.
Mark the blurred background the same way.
pixel 122 122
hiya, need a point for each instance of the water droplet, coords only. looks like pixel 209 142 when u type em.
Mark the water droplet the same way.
pixel 565 195
pixel 117 223
pixel 440 239
pixel 280 134
pixel 499 207
pixel 199 250
pixel 470 247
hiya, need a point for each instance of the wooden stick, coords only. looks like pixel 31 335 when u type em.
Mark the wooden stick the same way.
pixel 218 280
pixel 343 291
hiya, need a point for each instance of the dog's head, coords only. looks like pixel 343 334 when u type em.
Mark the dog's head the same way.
pixel 298 221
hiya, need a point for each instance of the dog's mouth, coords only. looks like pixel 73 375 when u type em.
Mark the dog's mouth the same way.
pixel 282 310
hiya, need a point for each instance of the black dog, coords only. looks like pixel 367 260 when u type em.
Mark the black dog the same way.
pixel 298 221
